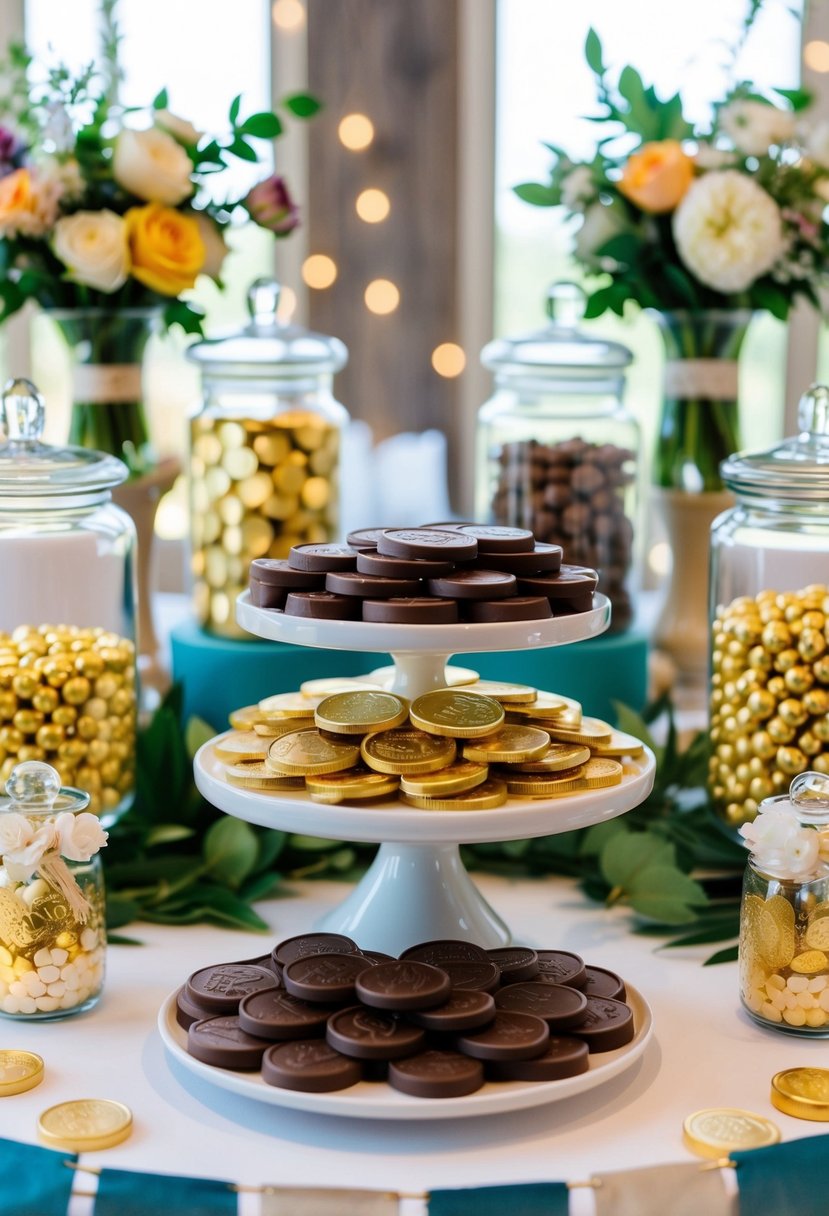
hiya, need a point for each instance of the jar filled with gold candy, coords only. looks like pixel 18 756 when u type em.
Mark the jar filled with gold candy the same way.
pixel 769 698
pixel 784 914
pixel 265 452
pixel 558 452
pixel 52 906
pixel 67 610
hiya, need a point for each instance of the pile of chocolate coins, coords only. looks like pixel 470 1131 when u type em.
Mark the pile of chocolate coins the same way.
pixel 435 575
pixel 318 1014
pixel 465 748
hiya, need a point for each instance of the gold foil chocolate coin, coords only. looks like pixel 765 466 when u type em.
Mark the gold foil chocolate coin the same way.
pixel 544 785
pixel 599 773
pixel 19 1071
pixel 507 694
pixel 85 1126
pixel 490 794
pixel 722 1130
pixel 350 786
pixel 558 757
pixel 546 705
pixel 241 745
pixel 306 752
pixel 802 1092
pixel 257 776
pixel 456 779
pixel 359 713
pixel 456 713
pixel 512 745
pixel 407 751
pixel 245 718
pixel 589 730
pixel 272 728
pixel 327 686
pixel 618 744
pixel 288 705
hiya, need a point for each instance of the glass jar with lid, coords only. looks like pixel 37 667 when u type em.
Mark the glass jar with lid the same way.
pixel 557 451
pixel 769 696
pixel 67 610
pixel 265 452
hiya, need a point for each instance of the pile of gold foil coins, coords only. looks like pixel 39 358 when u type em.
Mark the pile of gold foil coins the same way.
pixel 462 748
pixel 67 696
pixel 784 959
pixel 257 488
pixel 769 697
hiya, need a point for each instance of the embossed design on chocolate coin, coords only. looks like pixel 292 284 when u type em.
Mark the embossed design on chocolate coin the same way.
pixel 403 984
pixel 428 543
pixel 85 1125
pixel 325 977
pixel 446 950
pixel 309 1065
pixel 222 1042
pixel 511 1036
pixel 563 967
pixel 275 1014
pixel 306 944
pixel 368 1034
pixel 466 1009
pixel 307 752
pixel 606 1025
pixel 436 1074
pixel 517 963
pixel 221 987
pixel 560 1007
pixel 718 1131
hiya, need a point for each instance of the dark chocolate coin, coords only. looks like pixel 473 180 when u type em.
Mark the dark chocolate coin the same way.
pixel 475 976
pixel 403 984
pixel 516 608
pixel 221 987
pixel 377 956
pixel 322 606
pixel 446 950
pixel 401 567
pixel 275 572
pixel 188 1011
pixel 222 1043
pixel 429 543
pixel 607 1024
pixel 493 538
pixel 275 1014
pixel 570 581
pixel 326 978
pixel 565 1057
pixel 364 538
pixel 511 1036
pixel 466 1009
pixel 561 967
pixel 310 1065
pixel 474 585
pixel 517 963
pixel 560 1007
pixel 543 559
pixel 436 1074
pixel 322 557
pixel 371 586
pixel 262 595
pixel 369 1034
pixel 572 604
pixel 601 982
pixel 416 610
pixel 312 943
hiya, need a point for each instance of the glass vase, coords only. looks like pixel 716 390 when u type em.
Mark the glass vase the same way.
pixel 108 412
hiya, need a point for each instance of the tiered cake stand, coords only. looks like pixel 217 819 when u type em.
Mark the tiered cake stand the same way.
pixel 417 889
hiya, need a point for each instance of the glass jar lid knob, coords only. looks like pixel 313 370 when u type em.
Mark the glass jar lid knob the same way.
pixel 566 303
pixel 813 412
pixel 23 412
pixel 35 787
pixel 809 795
pixel 263 301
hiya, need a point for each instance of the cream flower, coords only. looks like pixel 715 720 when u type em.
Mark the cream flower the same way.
pixel 22 862
pixel 780 845
pixel 180 128
pixel 601 222
pixel 93 247
pixel 578 189
pixel 753 126
pixel 153 166
pixel 728 231
pixel 15 832
pixel 80 836
pixel 215 248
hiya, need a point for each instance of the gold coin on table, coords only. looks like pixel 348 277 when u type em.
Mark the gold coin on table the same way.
pixel 19 1071
pixel 722 1130
pixel 241 745
pixel 456 713
pixel 257 776
pixel 326 686
pixel 802 1092
pixel 512 745
pixel 360 713
pixel 619 744
pixel 289 705
pixel 589 730
pixel 351 785
pixel 484 797
pixel 455 677
pixel 305 752
pixel 456 779
pixel 407 752
pixel 557 757
pixel 86 1125
pixel 521 694
pixel 546 705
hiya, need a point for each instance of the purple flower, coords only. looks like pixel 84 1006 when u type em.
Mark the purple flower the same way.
pixel 10 151
pixel 272 207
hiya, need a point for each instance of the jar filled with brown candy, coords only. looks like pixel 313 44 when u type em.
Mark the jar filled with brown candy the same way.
pixel 769 696
pixel 557 451
pixel 264 452
pixel 67 611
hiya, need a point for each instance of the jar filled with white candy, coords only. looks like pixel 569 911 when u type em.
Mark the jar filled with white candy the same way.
pixel 784 915
pixel 52 906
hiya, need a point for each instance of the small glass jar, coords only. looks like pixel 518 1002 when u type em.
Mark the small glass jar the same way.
pixel 557 451
pixel 67 610
pixel 769 697
pixel 265 452
pixel 52 909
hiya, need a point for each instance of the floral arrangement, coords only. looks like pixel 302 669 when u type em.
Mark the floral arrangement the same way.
pixel 25 842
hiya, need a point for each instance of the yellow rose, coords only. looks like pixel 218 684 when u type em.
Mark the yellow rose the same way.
pixel 657 176
pixel 15 195
pixel 166 248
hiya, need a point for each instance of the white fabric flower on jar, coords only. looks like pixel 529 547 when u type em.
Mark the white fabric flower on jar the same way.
pixel 780 845
pixel 21 862
pixel 80 836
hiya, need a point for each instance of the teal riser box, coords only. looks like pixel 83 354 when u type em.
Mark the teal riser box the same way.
pixel 219 674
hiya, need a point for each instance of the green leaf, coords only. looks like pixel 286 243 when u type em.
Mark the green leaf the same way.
pixel 312 844
pixel 241 148
pixel 729 955
pixel 766 295
pixel 663 892
pixel 538 195
pixel 597 303
pixel 631 87
pixel 302 105
pixel 235 106
pixel 260 887
pixel 161 101
pixel 271 844
pixel 230 850
pixel 632 723
pixel 167 833
pixel 594 839
pixel 593 52
pixel 196 734
pixel 798 99
pixel 624 247
pixel 119 939
pixel 120 911
pixel 263 125
pixel 190 317
pixel 681 283
pixel 628 853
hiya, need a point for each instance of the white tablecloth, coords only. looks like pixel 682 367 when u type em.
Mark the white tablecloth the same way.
pixel 706 1052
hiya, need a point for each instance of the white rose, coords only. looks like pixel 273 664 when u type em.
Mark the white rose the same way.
pixel 709 157
pixel 753 126
pixel 80 836
pixel 816 142
pixel 153 166
pixel 600 223
pixel 180 128
pixel 771 829
pixel 15 832
pixel 213 240
pixel 728 230
pixel 94 248
pixel 578 189
pixel 22 862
